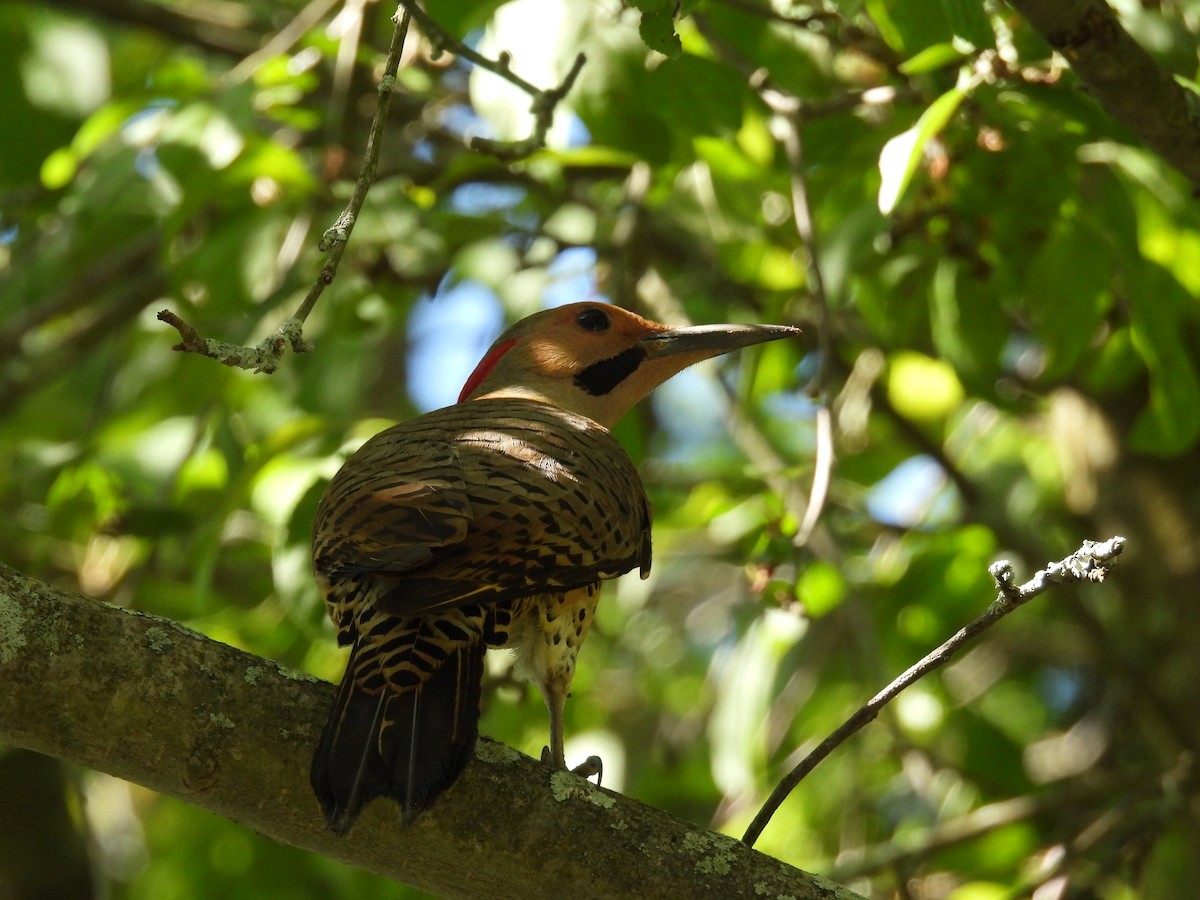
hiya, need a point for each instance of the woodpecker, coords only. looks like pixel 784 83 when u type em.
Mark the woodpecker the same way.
pixel 490 523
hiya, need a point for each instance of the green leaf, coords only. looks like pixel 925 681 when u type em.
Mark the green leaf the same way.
pixel 1171 421
pixel 1188 83
pixel 767 265
pixel 821 588
pixel 931 59
pixel 59 169
pixel 901 155
pixel 884 24
pixel 1068 293
pixel 460 16
pixel 966 322
pixel 1172 867
pixel 657 27
pixel 922 388
pixel 969 21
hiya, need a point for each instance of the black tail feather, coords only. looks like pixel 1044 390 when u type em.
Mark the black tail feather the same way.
pixel 410 743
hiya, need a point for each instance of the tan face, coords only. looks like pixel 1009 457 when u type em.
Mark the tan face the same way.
pixel 599 360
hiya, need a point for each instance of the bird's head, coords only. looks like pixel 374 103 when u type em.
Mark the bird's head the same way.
pixel 599 360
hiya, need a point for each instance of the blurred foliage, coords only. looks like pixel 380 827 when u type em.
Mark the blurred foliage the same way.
pixel 1008 343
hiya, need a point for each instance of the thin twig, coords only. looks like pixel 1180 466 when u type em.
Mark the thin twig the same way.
pixel 822 476
pixel 442 41
pixel 336 237
pixel 971 826
pixel 281 41
pixel 265 356
pixel 1091 562
pixel 543 106
pixel 227 28
pixel 916 847
pixel 262 357
pixel 788 114
pixel 542 102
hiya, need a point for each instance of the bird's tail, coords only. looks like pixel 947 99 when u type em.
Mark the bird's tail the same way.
pixel 405 720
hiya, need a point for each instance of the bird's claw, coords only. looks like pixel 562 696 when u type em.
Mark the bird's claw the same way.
pixel 593 765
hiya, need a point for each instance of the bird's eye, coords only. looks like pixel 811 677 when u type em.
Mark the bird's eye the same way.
pixel 593 319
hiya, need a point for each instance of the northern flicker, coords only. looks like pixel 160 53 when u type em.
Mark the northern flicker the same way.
pixel 490 523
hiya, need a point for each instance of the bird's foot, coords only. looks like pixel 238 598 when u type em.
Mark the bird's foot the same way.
pixel 593 765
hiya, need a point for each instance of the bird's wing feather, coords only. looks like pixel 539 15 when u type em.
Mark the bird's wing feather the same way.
pixel 479 503
pixel 388 512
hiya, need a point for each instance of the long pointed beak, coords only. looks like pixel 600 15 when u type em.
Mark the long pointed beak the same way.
pixel 703 341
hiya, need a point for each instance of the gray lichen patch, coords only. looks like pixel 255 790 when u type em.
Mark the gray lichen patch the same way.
pixel 161 624
pixel 835 890
pixel 569 786
pixel 12 629
pixel 158 639
pixel 253 673
pixel 496 752
pixel 289 673
pixel 221 720
pixel 762 889
pixel 715 852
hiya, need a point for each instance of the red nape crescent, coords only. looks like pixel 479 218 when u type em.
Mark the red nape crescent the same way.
pixel 484 368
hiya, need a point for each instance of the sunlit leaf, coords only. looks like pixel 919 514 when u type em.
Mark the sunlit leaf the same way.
pixel 58 169
pixel 923 388
pixel 821 588
pixel 902 155
pixel 939 56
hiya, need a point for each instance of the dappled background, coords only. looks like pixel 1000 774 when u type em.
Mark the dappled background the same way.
pixel 998 289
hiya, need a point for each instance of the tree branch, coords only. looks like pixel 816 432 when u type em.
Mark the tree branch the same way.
pixel 265 356
pixel 225 27
pixel 543 103
pixel 1091 562
pixel 1134 89
pixel 147 700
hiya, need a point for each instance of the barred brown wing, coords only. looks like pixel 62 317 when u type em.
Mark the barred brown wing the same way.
pixel 480 502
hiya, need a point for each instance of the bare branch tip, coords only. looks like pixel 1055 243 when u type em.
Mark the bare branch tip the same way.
pixel 190 339
pixel 1093 559
pixel 1005 578
pixel 1002 573
pixel 573 73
